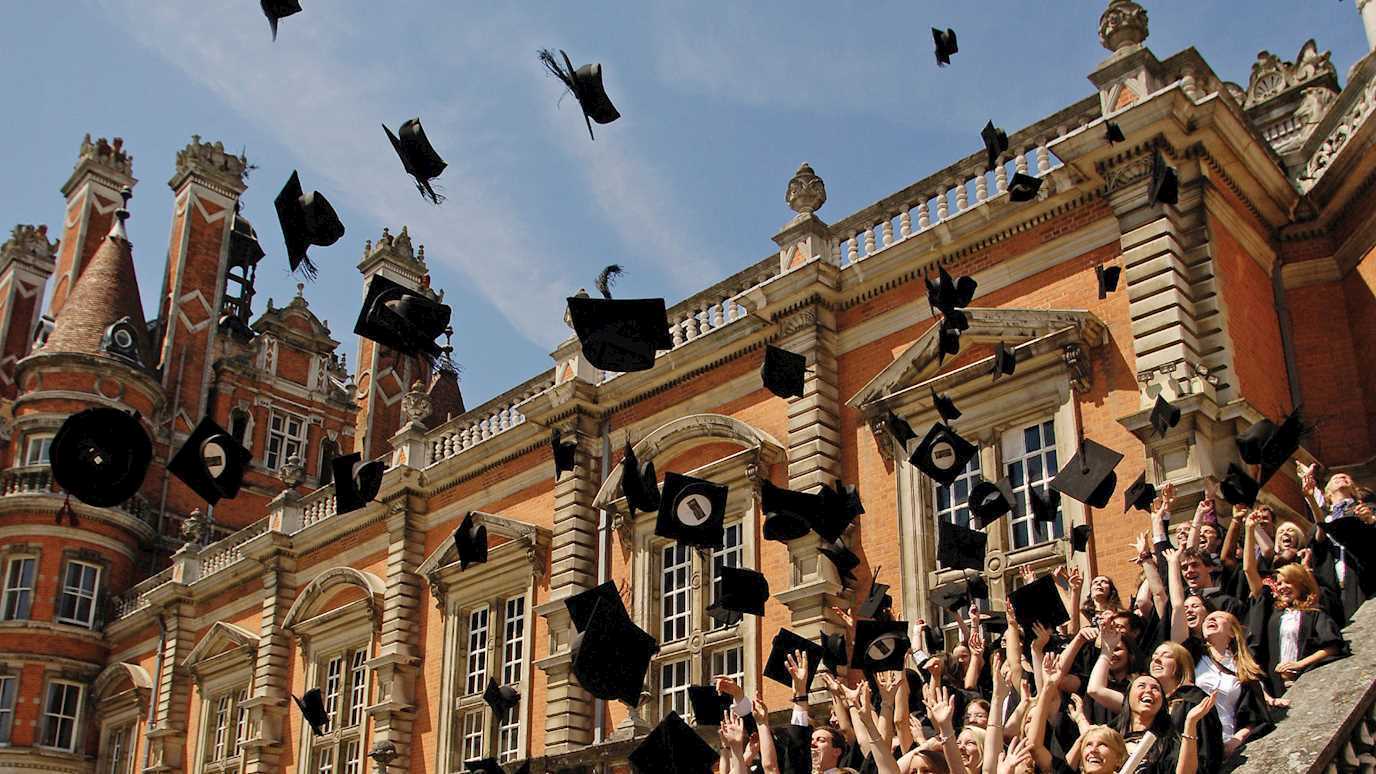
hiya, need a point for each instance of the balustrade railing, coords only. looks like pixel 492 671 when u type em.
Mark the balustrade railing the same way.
pixel 492 418
pixel 38 480
pixel 317 505
pixel 136 598
pixel 222 553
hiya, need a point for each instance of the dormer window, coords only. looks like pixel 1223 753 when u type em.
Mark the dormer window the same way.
pixel 121 339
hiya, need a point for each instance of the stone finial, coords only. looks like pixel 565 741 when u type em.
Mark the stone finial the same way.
pixel 196 528
pixel 122 214
pixel 383 753
pixel 292 472
pixel 29 244
pixel 209 161
pixel 806 192
pixel 107 153
pixel 415 404
pixel 1122 24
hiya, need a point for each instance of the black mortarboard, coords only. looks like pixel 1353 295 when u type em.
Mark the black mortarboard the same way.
pixel 876 601
pixel 951 597
pixel 621 334
pixel 960 548
pixel 708 704
pixel 834 651
pixel 100 455
pixel 1039 601
pixel 995 142
pixel 1107 277
pixel 945 41
pixel 692 511
pixel 586 85
pixel 1238 487
pixel 1139 494
pixel 880 646
pixel 638 483
pixel 418 157
pixel 402 319
pixel 947 341
pixel 470 540
pixel 1005 361
pixel 244 248
pixel 839 506
pixel 355 484
pixel 743 590
pixel 976 585
pixel 276 10
pixel 1088 476
pixel 945 406
pixel 1079 538
pixel 901 431
pixel 307 219
pixel 1164 416
pixel 785 642
pixel 783 372
pixel 1270 445
pixel 1358 539
pixel 989 501
pixel 1044 503
pixel 1023 188
pixel 943 454
pixel 1165 186
pixel 211 462
pixel 501 698
pixel 581 605
pixel 483 766
pixel 673 748
pixel 565 453
pixel 1113 132
pixel 841 556
pixel 312 706
pixel 950 295
pixel 611 654
pixel 788 515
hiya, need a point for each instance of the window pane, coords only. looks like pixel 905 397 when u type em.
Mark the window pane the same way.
pixel 77 603
pixel 352 760
pixel 59 715
pixel 8 688
pixel 950 502
pixel 513 641
pixel 673 687
pixel 476 680
pixel 18 588
pixel 334 685
pixel 1033 464
pixel 728 662
pixel 358 687
pixel 324 760
pixel 473 735
pixel 675 592
pixel 729 555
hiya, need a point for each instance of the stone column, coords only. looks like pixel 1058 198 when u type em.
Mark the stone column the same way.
pixel 268 705
pixel 167 737
pixel 397 663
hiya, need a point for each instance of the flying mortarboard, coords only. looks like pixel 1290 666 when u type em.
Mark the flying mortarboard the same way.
pixel 470 541
pixel 1107 277
pixel 1164 416
pixel 673 748
pixel 1139 494
pixel 1238 487
pixel 960 548
pixel 1023 188
pixel 1113 133
pixel 1165 185
pixel 581 605
pixel 876 601
pixel 585 83
pixel 610 655
pixel 307 219
pixel 945 406
pixel 1270 445
pixel 880 646
pixel 692 511
pixel 1358 539
pixel 838 507
pixel 945 42
pixel 743 590
pixel 708 704
pixel 943 454
pixel 619 334
pixel 1079 538
pixel 949 295
pixel 841 556
pixel 356 483
pixel 834 651
pixel 312 706
pixel 995 142
pixel 100 455
pixel 565 453
pixel 418 157
pixel 501 698
pixel 402 319
pixel 1039 601
pixel 788 515
pixel 483 766
pixel 211 462
pixel 783 372
pixel 785 642
pixel 901 431
pixel 947 341
pixel 1005 361
pixel 277 10
pixel 1088 476
pixel 989 501
pixel 638 483
pixel 951 597
pixel 1045 503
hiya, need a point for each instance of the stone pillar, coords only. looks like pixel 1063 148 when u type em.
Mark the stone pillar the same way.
pixel 1131 71
pixel 168 735
pixel 397 663
pixel 269 704
pixel 1367 8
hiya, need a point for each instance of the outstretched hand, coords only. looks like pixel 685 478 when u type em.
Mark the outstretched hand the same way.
pixel 1016 757
pixel 796 664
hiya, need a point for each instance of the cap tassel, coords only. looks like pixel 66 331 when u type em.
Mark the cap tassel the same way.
pixel 428 191
pixel 606 279
pixel 308 268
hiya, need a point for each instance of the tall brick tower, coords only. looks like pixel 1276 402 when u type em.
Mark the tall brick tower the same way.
pixel 102 169
pixel 27 259
pixel 384 376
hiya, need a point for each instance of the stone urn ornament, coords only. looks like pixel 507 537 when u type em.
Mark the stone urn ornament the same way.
pixel 806 191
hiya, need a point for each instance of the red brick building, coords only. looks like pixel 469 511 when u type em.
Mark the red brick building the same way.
pixel 143 639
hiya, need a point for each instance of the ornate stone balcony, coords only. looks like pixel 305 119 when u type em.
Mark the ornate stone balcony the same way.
pixel 37 480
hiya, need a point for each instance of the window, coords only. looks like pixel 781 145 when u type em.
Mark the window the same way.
pixel 673 687
pixel 19 576
pixel 674 593
pixel 61 711
pixel 343 681
pixel 475 680
pixel 950 500
pixel 77 604
pixel 499 629
pixel 9 686
pixel 36 449
pixel 729 555
pixel 226 732
pixel 119 753
pixel 1029 456
pixel 472 735
pixel 286 438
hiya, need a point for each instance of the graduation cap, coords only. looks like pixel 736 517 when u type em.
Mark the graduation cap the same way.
pixel 619 334
pixel 945 41
pixel 783 372
pixel 950 295
pixel 470 540
pixel 1023 188
pixel 785 642
pixel 1079 538
pixel 211 462
pixel 1039 602
pixel 834 651
pixel 943 454
pixel 418 157
pixel 1113 133
pixel 880 646
pixel 402 319
pixel 1358 539
pixel 839 506
pixel 1005 361
pixel 876 601
pixel 277 10
pixel 742 591
pixel 355 484
pixel 1107 277
pixel 945 406
pixel 307 219
pixel 952 597
pixel 1089 476
pixel 585 83
pixel 995 142
pixel 1238 487
pixel 841 556
pixel 1139 494
pixel 788 515
pixel 947 341
pixel 581 605
pixel 1045 502
pixel 312 706
pixel 501 698
pixel 100 456
pixel 483 766
pixel 610 654
pixel 565 453
pixel 960 548
pixel 692 511
pixel 901 431
pixel 1270 445
pixel 673 748
pixel 989 501
pixel 638 483
pixel 1165 185
pixel 1164 416
pixel 708 704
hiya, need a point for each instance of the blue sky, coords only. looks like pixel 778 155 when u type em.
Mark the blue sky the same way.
pixel 720 103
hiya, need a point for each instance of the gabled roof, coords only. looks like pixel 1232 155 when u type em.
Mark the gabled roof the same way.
pixel 297 325
pixel 220 638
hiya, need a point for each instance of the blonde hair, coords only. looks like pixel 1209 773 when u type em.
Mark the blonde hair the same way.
pixel 1246 667
pixel 1110 737
pixel 1184 662
pixel 1306 596
pixel 977 734
pixel 1301 541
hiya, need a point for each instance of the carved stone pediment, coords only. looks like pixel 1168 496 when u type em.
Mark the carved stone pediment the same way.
pixel 1273 76
pixel 527 545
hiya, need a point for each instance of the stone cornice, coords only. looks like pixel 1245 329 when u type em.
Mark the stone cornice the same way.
pixel 66 362
pixel 51 503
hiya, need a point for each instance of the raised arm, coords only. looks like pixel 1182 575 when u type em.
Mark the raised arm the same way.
pixel 1098 677
pixel 1188 761
pixel 1145 560
pixel 1048 700
pixel 1228 553
pixel 1249 557
pixel 863 719
pixel 769 755
pixel 993 732
pixel 941 710
pixel 1179 629
pixel 1043 636
pixel 1076 581
pixel 976 665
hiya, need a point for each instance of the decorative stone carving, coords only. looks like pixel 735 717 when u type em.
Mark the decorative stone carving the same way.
pixel 30 245
pixel 415 404
pixel 1077 363
pixel 383 753
pixel 806 191
pixel 109 154
pixel 195 529
pixel 1313 107
pixel 438 590
pixel 1124 175
pixel 880 428
pixel 534 554
pixel 210 160
pixel 625 528
pixel 1123 24
pixel 1272 76
pixel 1337 138
pixel 292 472
pixel 1189 84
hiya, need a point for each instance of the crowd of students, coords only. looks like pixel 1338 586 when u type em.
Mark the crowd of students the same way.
pixel 1178 678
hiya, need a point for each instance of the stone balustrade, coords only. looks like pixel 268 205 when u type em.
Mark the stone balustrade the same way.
pixel 492 418
pixel 318 505
pixel 718 305
pixel 225 552
pixel 38 480
pixel 136 598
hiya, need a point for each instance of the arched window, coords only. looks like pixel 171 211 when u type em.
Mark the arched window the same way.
pixel 238 424
pixel 329 449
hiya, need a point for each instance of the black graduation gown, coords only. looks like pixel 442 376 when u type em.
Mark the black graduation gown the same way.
pixel 1163 756
pixel 1253 712
pixel 1210 731
pixel 1340 600
pixel 1317 632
